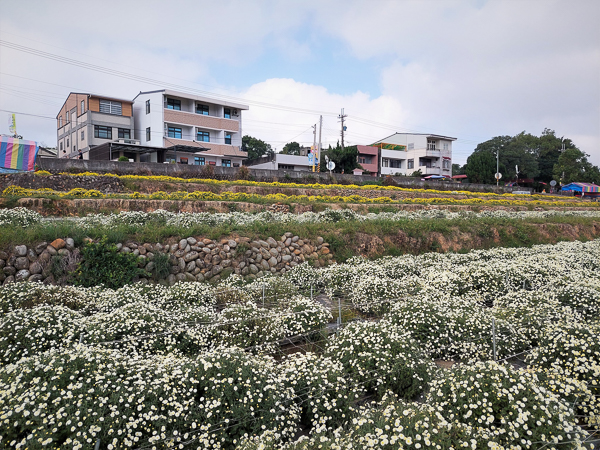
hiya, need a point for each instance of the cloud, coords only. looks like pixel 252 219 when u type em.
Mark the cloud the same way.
pixel 471 69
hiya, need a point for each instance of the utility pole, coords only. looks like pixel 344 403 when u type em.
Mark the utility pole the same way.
pixel 314 147
pixel 497 167
pixel 319 146
pixel 342 116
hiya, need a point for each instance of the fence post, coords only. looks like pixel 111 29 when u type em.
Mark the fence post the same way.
pixel 97 446
pixel 311 291
pixel 81 338
pixel 339 312
pixel 494 337
pixel 263 286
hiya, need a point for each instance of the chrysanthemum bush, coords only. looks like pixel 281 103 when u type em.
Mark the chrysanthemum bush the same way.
pixel 508 405
pixel 26 332
pixel 322 389
pixel 392 424
pixel 572 350
pixel 380 358
pixel 454 328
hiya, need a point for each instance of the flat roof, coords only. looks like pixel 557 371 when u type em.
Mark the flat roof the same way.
pixel 418 134
pixel 199 98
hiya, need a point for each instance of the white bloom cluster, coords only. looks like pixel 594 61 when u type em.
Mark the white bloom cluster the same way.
pixel 20 217
pixel 24 217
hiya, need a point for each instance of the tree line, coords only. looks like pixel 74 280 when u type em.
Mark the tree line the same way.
pixel 541 158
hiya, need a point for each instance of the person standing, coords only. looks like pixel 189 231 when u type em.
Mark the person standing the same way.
pixel 80 155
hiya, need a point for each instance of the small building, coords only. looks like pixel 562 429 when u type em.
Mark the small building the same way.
pixel 280 161
pixel 405 153
pixel 87 120
pixel 368 158
pixel 192 129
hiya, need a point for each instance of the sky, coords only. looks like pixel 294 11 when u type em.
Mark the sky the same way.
pixel 469 69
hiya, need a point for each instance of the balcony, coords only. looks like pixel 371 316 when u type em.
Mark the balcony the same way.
pixel 200 120
pixel 219 149
pixel 435 152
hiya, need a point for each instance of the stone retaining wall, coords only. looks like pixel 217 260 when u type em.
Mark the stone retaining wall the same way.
pixel 190 259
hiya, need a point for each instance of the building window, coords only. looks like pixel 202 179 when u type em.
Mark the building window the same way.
pixel 174 132
pixel 67 146
pixel 285 167
pixel 124 133
pixel 202 109
pixel 396 163
pixel 226 162
pixel 411 146
pixel 227 114
pixel 203 136
pixel 431 144
pixel 67 117
pixel 199 161
pixel 364 160
pixel 446 163
pixel 82 106
pixel 82 135
pixel 111 107
pixel 174 104
pixel 61 145
pixel 385 162
pixel 60 122
pixel 446 146
pixel 411 164
pixel 228 138
pixel 148 106
pixel 102 132
pixel 148 134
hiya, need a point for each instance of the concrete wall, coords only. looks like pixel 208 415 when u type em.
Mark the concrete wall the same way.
pixel 190 171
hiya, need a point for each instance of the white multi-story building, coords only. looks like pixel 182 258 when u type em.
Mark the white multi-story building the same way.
pixel 193 129
pixel 405 153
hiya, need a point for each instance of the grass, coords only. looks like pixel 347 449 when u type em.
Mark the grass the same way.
pixel 341 236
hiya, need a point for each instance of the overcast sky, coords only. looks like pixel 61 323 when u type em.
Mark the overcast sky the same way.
pixel 468 69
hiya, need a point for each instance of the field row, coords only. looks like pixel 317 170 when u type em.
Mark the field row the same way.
pixel 249 365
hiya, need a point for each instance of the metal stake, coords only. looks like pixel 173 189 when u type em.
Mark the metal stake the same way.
pixel 81 338
pixel 311 292
pixel 263 286
pixel 97 446
pixel 494 337
pixel 339 312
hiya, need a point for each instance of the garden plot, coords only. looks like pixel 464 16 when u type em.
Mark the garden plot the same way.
pixel 200 366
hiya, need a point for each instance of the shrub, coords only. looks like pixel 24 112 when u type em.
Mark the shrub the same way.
pixel 506 403
pixel 162 266
pixel 380 358
pixel 123 158
pixel 243 173
pixel 26 332
pixel 104 265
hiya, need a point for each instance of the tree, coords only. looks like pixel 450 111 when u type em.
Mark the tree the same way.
pixel 457 169
pixel 574 165
pixel 514 151
pixel 345 160
pixel 255 147
pixel 291 148
pixel 481 168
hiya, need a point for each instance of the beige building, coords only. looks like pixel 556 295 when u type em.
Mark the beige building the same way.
pixel 89 120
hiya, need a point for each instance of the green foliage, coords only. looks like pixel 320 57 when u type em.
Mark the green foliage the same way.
pixel 418 174
pixel 123 158
pixel 255 147
pixel 481 167
pixel 346 160
pixel 291 148
pixel 104 264
pixel 573 163
pixel 162 266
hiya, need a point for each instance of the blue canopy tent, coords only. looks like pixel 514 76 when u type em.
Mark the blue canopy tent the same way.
pixel 585 189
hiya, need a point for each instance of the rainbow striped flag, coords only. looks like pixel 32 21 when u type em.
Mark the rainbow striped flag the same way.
pixel 17 154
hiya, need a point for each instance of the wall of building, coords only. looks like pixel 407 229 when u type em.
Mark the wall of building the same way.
pixel 154 120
